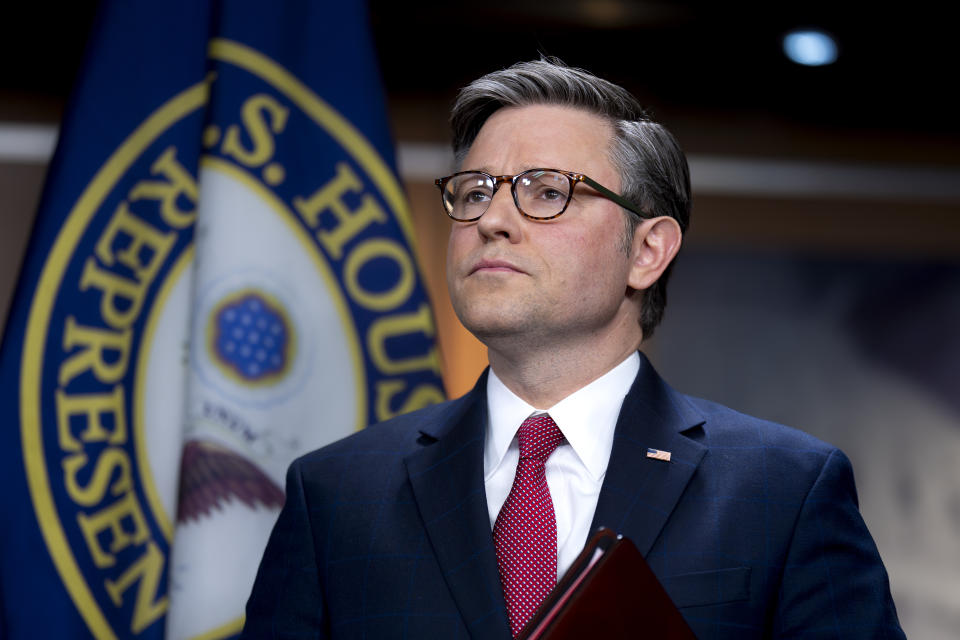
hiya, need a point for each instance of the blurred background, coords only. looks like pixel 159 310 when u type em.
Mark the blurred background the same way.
pixel 819 284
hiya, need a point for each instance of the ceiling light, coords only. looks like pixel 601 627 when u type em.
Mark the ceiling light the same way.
pixel 810 47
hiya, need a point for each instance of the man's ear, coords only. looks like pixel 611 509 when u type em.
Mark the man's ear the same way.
pixel 656 242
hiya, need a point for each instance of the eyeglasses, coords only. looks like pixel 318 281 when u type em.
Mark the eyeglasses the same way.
pixel 540 194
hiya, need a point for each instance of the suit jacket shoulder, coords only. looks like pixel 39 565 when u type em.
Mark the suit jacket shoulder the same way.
pixel 733 428
pixel 385 534
pixel 400 435
pixel 751 526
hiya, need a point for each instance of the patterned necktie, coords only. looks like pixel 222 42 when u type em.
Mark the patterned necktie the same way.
pixel 525 533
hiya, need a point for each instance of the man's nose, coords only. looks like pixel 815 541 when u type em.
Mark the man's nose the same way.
pixel 501 217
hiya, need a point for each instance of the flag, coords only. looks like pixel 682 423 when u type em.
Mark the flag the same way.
pixel 221 278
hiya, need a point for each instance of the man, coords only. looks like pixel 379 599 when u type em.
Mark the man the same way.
pixel 455 521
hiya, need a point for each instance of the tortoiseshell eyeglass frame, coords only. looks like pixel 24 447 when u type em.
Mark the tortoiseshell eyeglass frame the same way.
pixel 572 176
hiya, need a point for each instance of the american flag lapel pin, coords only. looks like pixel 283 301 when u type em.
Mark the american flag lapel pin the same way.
pixel 657 454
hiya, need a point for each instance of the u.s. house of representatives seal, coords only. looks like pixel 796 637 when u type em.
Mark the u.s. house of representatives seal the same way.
pixel 199 324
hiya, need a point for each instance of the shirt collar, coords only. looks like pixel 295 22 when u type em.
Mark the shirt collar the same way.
pixel 587 417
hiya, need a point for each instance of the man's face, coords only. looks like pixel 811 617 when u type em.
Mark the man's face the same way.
pixel 559 280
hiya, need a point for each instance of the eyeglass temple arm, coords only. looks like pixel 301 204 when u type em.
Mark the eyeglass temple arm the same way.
pixel 617 198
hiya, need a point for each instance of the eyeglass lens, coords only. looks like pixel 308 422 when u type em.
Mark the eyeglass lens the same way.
pixel 539 194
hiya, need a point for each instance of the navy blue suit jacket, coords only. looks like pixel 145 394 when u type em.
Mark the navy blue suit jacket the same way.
pixel 752 527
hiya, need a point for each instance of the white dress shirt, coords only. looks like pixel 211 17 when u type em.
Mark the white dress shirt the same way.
pixel 575 471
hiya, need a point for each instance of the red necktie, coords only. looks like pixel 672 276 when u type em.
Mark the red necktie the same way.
pixel 525 533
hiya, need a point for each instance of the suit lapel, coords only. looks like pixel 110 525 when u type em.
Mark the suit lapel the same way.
pixel 447 480
pixel 639 493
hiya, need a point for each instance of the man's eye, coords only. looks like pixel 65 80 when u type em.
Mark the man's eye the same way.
pixel 550 195
pixel 475 196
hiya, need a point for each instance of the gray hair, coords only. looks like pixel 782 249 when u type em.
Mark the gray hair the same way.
pixel 653 170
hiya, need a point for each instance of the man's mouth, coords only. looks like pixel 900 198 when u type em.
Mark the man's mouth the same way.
pixel 489 265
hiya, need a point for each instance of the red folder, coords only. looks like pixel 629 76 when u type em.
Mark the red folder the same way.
pixel 609 592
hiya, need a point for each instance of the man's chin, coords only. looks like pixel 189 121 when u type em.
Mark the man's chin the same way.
pixel 500 331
